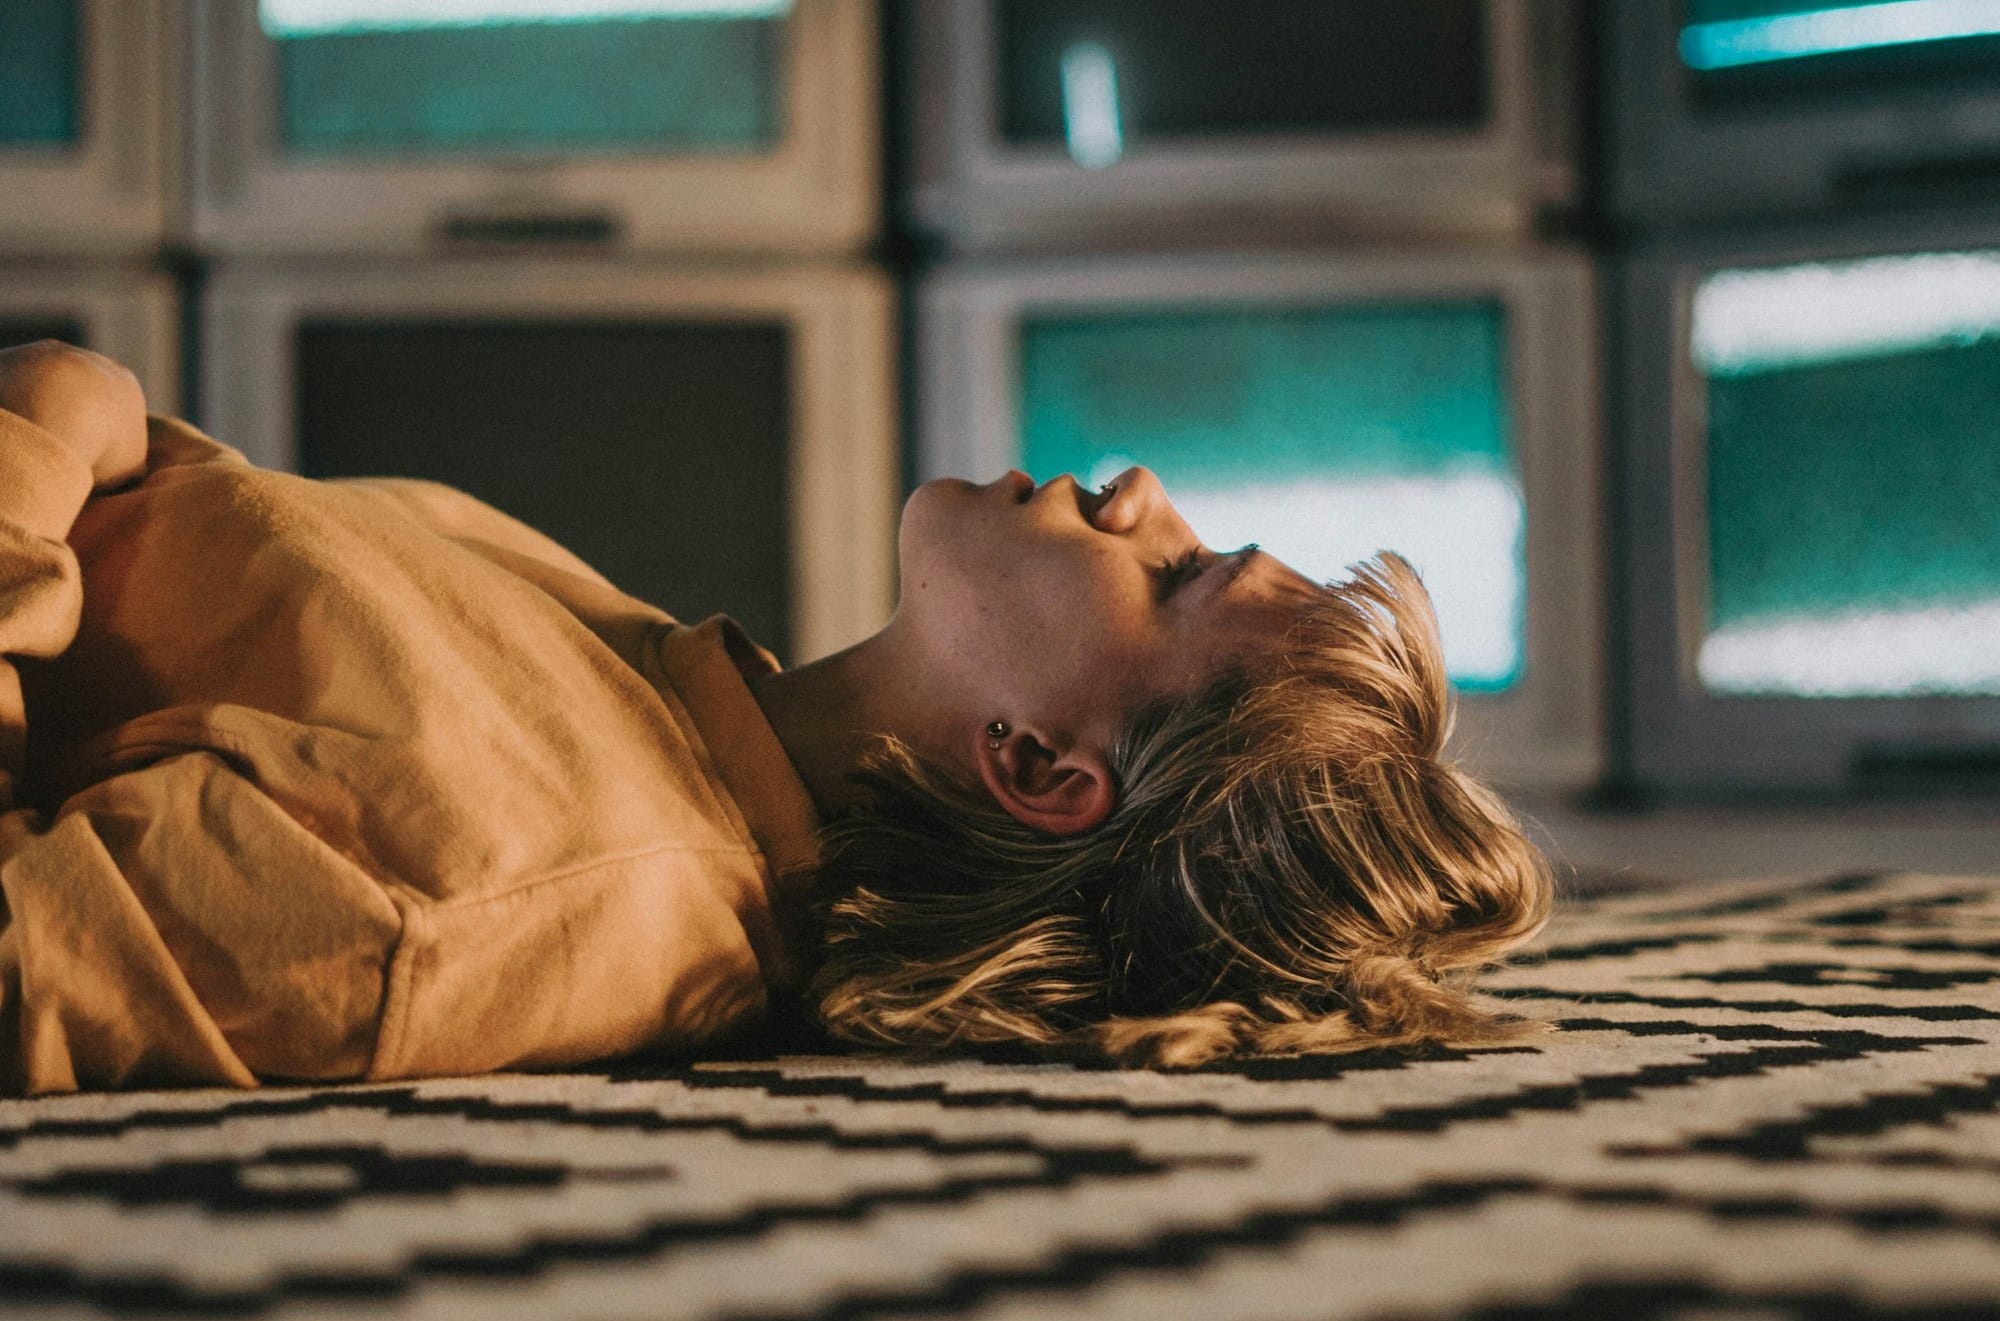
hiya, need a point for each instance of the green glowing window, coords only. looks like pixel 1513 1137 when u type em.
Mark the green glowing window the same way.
pixel 1862 47
pixel 1853 477
pixel 497 77
pixel 1322 433
pixel 39 58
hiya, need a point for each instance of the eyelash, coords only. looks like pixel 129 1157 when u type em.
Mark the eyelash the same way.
pixel 1175 573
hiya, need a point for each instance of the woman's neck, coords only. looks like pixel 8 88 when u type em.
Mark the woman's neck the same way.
pixel 828 712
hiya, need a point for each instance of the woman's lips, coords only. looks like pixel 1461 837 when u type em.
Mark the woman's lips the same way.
pixel 1019 485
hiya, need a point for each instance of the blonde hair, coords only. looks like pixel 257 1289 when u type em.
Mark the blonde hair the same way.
pixel 1291 867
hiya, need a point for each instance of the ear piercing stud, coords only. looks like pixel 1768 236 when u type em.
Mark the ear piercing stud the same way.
pixel 995 731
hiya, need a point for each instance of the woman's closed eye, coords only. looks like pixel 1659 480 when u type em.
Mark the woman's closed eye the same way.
pixel 1175 574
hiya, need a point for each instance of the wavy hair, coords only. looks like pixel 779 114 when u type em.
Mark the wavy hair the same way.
pixel 1291 867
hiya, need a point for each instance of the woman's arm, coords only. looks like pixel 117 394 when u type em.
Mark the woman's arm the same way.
pixel 70 420
pixel 89 403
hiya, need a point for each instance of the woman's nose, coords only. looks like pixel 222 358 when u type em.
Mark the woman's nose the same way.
pixel 1126 499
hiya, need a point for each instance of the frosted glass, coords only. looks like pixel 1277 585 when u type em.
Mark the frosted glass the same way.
pixel 1324 434
pixel 695 81
pixel 39 58
pixel 1853 477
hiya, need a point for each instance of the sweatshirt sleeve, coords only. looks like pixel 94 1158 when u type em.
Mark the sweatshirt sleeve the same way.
pixel 42 488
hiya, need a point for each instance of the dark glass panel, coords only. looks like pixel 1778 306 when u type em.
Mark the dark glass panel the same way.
pixel 1188 68
pixel 26 330
pixel 657 451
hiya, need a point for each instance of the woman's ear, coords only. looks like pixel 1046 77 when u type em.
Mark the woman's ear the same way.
pixel 1058 794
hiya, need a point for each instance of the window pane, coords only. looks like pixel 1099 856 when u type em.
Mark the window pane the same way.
pixel 1765 48
pixel 1853 477
pixel 1184 68
pixel 39 72
pixel 26 330
pixel 1324 434
pixel 658 451
pixel 360 77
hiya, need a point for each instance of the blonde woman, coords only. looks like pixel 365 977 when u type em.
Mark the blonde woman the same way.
pixel 340 780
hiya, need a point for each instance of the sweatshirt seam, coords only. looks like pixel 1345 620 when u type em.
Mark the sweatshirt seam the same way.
pixel 398 993
pixel 580 870
pixel 714 784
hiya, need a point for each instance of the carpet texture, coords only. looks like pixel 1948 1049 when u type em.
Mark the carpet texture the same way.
pixel 1769 1099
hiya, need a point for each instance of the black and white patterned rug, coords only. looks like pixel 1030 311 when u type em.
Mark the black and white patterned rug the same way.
pixel 1770 1099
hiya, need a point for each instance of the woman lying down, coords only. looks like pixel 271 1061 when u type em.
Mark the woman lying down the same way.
pixel 364 780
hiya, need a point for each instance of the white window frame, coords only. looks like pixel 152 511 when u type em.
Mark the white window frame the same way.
pixel 133 316
pixel 845 462
pixel 1671 161
pixel 113 194
pixel 984 194
pixel 815 192
pixel 1681 739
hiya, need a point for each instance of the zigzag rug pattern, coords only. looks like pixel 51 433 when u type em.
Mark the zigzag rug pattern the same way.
pixel 1773 1098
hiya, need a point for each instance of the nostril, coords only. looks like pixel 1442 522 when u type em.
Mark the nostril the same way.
pixel 1103 496
pixel 1086 503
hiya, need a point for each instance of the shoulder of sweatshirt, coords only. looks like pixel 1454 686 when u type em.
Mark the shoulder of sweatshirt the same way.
pixel 177 448
pixel 173 444
pixel 466 519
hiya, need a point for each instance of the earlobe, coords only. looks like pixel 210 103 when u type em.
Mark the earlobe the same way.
pixel 1063 794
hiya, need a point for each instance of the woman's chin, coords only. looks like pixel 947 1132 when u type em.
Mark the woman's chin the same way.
pixel 926 517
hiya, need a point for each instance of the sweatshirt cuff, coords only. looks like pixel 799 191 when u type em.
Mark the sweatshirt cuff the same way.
pixel 42 484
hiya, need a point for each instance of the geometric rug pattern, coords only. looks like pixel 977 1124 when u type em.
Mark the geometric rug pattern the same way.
pixel 1774 1098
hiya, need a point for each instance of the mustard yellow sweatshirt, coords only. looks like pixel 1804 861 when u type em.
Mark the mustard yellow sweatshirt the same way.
pixel 361 779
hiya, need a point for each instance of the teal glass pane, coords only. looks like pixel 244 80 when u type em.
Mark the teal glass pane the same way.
pixel 1324 434
pixel 1738 11
pixel 1853 478
pixel 1878 37
pixel 689 81
pixel 40 56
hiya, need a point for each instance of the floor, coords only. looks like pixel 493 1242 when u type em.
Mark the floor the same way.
pixel 1776 1098
pixel 1712 842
